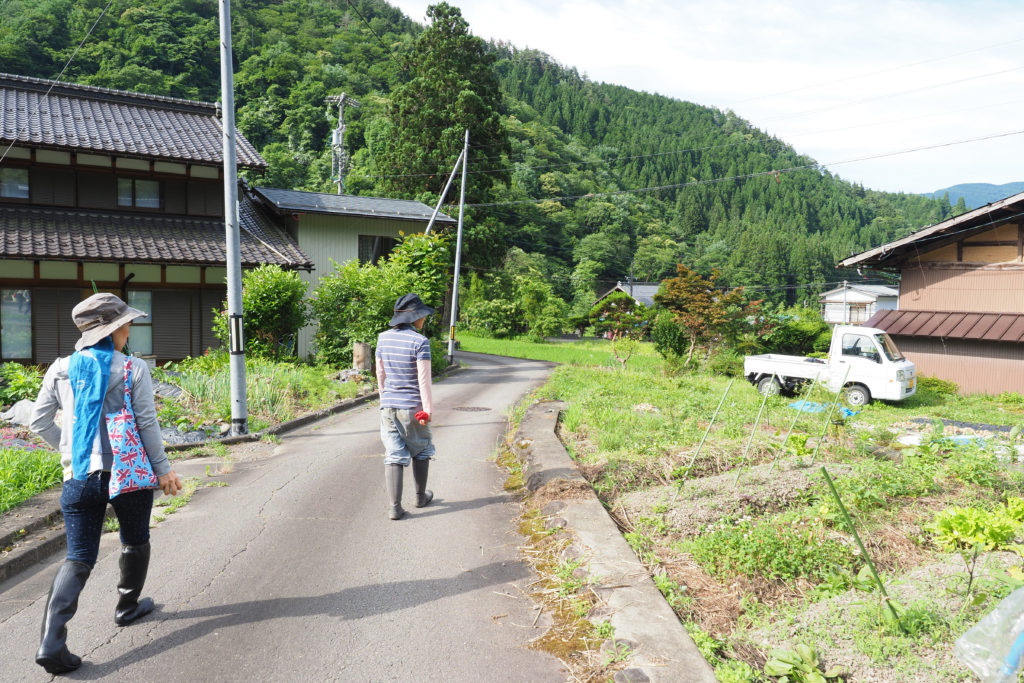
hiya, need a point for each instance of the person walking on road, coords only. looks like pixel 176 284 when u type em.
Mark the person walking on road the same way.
pixel 88 386
pixel 406 405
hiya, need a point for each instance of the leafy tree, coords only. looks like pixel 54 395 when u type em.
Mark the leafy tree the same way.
pixel 624 319
pixel 355 302
pixel 452 87
pixel 274 309
pixel 701 308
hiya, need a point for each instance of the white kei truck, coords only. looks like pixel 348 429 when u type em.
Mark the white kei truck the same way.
pixel 864 360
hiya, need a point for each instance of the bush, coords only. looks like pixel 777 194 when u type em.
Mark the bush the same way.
pixel 492 318
pixel 726 362
pixel 796 330
pixel 18 382
pixel 274 310
pixel 438 356
pixel 356 302
pixel 934 385
pixel 669 337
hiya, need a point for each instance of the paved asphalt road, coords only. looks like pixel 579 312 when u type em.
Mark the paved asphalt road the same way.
pixel 293 572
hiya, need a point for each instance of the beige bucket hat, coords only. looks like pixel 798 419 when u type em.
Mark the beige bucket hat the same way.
pixel 99 315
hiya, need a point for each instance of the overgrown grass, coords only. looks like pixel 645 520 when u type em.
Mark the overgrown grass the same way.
pixel 596 352
pixel 26 472
pixel 636 430
pixel 275 392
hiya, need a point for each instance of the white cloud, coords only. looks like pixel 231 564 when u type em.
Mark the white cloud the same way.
pixel 872 65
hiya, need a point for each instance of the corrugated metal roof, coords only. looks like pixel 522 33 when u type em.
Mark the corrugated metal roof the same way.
pixel 1007 327
pixel 40 113
pixel 349 205
pixel 44 233
pixel 981 218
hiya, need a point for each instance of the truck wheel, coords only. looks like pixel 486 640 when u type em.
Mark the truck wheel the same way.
pixel 769 386
pixel 858 395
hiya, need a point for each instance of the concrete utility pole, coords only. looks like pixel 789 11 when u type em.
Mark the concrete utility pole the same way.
pixel 236 344
pixel 339 157
pixel 458 250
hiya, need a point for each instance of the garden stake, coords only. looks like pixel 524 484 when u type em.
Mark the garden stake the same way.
pixel 753 431
pixel 793 424
pixel 831 412
pixel 863 550
pixel 679 487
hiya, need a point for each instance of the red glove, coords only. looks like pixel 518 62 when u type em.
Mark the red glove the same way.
pixel 423 417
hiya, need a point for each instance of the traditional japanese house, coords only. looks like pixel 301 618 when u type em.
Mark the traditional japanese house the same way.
pixel 121 192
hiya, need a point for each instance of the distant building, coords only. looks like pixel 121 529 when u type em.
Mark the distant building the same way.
pixel 642 292
pixel 961 300
pixel 853 304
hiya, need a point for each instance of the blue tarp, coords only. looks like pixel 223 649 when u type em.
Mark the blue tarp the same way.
pixel 812 407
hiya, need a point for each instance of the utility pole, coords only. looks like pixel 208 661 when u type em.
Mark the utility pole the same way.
pixel 236 344
pixel 458 250
pixel 339 157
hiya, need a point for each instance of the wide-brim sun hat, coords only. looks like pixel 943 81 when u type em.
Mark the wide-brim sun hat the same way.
pixel 99 315
pixel 409 308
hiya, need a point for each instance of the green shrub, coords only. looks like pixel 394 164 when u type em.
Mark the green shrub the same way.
pixel 438 356
pixel 796 330
pixel 19 382
pixel 934 385
pixel 669 337
pixel 274 310
pixel 726 362
pixel 356 302
pixel 492 318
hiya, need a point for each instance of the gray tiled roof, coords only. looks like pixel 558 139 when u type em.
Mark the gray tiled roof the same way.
pixel 81 117
pixel 51 233
pixel 640 291
pixel 349 205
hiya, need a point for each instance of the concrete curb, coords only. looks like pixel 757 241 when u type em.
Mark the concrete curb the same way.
pixel 660 647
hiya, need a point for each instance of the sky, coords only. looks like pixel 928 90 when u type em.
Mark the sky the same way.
pixel 839 80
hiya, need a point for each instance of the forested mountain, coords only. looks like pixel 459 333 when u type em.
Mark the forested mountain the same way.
pixel 977 194
pixel 593 182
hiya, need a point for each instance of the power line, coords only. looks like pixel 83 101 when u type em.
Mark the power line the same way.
pixel 879 71
pixel 776 173
pixel 57 79
pixel 898 93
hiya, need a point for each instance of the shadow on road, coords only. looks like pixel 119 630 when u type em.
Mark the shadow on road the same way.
pixel 348 604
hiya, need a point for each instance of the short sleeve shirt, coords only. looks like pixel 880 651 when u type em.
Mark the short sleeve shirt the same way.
pixel 398 349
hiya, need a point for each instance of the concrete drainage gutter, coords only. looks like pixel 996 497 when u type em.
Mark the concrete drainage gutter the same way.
pixel 660 647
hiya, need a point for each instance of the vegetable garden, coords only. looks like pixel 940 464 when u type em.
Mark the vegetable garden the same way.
pixel 770 569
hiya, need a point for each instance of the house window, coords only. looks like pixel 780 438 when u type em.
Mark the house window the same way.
pixel 15 324
pixel 141 338
pixel 373 247
pixel 14 183
pixel 138 193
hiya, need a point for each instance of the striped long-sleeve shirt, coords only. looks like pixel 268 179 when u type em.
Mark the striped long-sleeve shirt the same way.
pixel 398 351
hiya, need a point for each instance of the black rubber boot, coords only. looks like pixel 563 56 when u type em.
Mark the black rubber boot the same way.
pixel 393 479
pixel 420 468
pixel 62 603
pixel 134 564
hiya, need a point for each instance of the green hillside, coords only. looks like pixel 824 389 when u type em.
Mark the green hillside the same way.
pixel 564 170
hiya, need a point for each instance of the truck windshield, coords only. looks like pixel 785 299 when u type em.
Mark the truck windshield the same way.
pixel 888 347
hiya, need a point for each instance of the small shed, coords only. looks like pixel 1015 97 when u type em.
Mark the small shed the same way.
pixel 853 304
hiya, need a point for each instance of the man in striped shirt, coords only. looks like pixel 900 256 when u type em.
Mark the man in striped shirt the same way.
pixel 403 375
